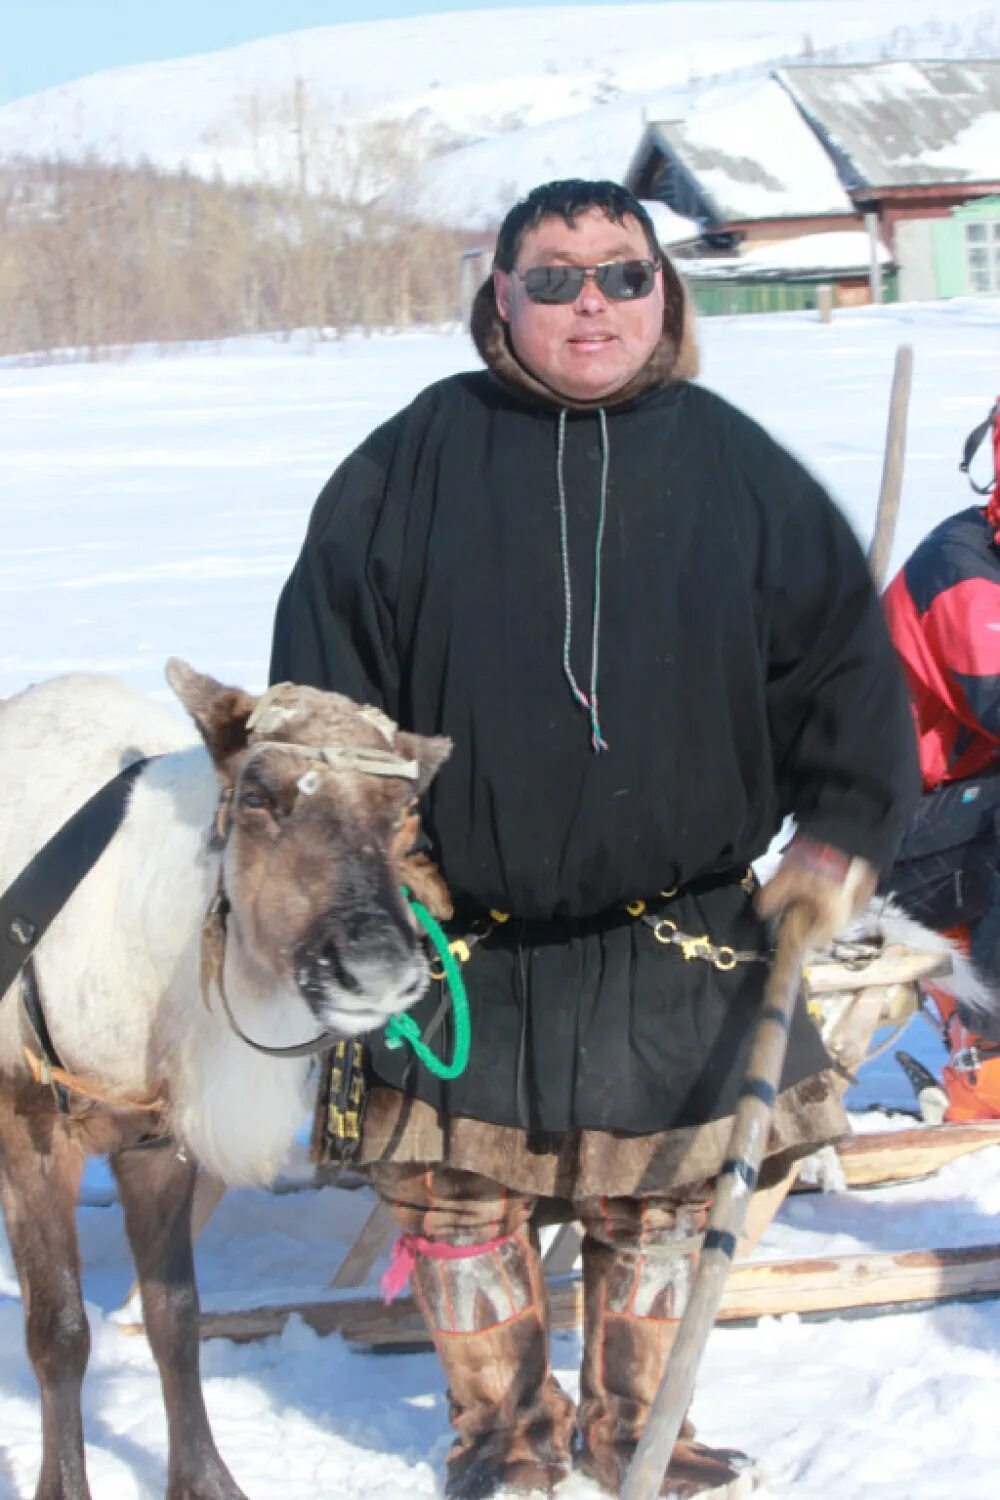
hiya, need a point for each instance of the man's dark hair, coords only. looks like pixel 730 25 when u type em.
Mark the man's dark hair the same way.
pixel 565 200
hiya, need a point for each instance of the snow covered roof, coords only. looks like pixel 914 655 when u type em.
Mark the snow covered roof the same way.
pixel 901 124
pixel 474 186
pixel 831 253
pixel 671 228
pixel 747 154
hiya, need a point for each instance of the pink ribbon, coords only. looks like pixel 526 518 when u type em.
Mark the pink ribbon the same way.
pixel 409 1246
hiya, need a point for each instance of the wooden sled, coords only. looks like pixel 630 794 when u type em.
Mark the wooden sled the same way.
pixel 826 1284
pixel 882 1157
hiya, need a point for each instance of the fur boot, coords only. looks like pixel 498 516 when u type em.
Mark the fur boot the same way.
pixel 633 1302
pixel 488 1317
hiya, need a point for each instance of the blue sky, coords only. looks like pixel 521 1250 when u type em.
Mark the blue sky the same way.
pixel 45 42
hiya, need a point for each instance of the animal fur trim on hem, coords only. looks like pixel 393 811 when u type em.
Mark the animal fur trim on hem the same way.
pixel 592 1163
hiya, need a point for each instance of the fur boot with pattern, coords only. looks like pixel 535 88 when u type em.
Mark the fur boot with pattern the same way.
pixel 637 1275
pixel 487 1314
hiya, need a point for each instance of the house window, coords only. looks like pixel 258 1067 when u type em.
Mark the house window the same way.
pixel 982 255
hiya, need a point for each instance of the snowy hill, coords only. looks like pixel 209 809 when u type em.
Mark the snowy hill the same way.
pixel 296 107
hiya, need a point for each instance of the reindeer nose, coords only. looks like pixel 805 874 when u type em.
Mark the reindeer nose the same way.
pixel 328 958
pixel 346 945
pixel 415 987
pixel 377 928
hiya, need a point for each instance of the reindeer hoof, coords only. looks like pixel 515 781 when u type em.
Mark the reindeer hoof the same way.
pixel 211 1483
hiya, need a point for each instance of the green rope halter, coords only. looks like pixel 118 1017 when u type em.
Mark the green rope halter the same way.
pixel 403 1029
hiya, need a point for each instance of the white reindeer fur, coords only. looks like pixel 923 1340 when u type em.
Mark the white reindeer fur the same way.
pixel 119 967
pixel 977 998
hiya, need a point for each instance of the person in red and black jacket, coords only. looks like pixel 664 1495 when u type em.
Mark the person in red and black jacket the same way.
pixel 943 609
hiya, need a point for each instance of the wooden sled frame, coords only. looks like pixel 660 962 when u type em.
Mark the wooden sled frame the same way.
pixel 831 1284
pixel 851 999
pixel 826 1284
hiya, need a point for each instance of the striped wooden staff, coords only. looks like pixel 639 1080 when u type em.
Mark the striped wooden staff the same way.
pixel 733 1190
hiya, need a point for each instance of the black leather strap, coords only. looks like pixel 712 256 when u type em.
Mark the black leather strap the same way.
pixel 45 885
pixel 972 445
pixel 32 1002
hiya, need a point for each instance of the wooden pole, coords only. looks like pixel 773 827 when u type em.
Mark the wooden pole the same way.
pixel 892 466
pixel 734 1187
pixel 874 265
pixel 824 302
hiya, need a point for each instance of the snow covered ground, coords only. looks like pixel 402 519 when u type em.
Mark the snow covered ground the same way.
pixel 153 507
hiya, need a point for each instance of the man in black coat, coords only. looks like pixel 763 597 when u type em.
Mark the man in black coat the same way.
pixel 651 636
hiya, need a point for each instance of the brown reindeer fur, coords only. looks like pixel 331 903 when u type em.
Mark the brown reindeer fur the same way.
pixel 42 1155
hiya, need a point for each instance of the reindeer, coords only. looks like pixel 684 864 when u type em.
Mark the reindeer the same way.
pixel 251 893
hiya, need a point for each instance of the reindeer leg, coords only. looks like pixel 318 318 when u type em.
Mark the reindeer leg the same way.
pixel 156 1187
pixel 40 1167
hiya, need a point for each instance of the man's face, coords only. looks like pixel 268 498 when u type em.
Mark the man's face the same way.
pixel 590 348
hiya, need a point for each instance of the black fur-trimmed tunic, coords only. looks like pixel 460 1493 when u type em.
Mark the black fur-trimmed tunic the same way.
pixel 744 673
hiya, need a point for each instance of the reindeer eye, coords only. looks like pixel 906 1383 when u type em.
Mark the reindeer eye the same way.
pixel 256 800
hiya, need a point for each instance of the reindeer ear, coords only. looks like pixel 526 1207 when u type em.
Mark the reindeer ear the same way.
pixel 220 712
pixel 429 752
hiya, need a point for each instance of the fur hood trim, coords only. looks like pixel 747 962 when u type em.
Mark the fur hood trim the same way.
pixel 675 357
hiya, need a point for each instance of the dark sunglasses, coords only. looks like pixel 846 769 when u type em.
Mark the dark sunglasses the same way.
pixel 619 280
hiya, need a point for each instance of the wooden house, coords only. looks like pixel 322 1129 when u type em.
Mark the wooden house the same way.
pixel 871 151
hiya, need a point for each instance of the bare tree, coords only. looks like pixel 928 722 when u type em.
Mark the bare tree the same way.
pixel 93 257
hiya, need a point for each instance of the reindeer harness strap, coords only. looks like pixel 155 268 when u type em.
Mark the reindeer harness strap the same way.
pixel 37 896
pixel 46 883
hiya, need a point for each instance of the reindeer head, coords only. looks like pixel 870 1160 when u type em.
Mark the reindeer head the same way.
pixel 317 823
